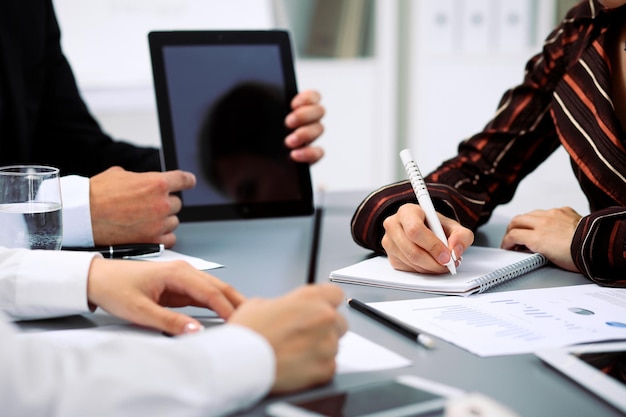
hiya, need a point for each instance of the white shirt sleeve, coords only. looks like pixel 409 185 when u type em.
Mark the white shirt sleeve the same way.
pixel 42 283
pixel 77 229
pixel 218 371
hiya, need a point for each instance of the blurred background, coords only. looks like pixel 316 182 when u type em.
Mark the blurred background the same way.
pixel 422 74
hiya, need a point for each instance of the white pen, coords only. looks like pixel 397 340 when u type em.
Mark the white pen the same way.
pixel 423 198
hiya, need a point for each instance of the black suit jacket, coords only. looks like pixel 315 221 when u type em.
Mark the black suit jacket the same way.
pixel 43 118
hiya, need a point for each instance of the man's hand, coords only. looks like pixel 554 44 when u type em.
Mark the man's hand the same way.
pixel 305 120
pixel 138 291
pixel 304 328
pixel 129 207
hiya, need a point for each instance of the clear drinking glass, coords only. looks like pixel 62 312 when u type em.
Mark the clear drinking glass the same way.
pixel 30 207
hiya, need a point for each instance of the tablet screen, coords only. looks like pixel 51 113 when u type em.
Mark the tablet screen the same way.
pixel 222 98
pixel 404 396
pixel 376 398
pixel 612 364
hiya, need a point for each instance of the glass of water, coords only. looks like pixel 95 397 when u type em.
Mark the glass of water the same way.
pixel 30 207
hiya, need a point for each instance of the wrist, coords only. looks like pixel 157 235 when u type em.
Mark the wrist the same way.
pixel 92 281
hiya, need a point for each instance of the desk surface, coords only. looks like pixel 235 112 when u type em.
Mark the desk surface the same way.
pixel 269 257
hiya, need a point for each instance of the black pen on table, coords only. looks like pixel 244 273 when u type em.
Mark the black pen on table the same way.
pixel 136 250
pixel 318 216
pixel 392 323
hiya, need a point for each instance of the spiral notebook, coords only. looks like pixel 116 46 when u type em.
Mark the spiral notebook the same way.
pixel 481 269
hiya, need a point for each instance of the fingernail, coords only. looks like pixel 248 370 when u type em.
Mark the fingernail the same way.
pixel 457 252
pixel 192 328
pixel 290 140
pixel 297 153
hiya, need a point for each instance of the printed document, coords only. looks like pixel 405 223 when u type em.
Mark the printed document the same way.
pixel 516 322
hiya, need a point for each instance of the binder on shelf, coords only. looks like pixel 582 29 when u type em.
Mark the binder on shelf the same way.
pixel 477 18
pixel 339 28
pixel 513 25
pixel 352 29
pixel 443 25
pixel 327 16
pixel 482 268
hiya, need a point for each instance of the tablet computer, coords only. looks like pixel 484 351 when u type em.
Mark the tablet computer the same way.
pixel 599 367
pixel 403 396
pixel 222 98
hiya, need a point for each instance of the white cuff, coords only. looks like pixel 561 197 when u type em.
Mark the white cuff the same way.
pixel 76 211
pixel 51 283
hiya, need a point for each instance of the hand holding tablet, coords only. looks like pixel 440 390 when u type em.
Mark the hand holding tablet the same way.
pixel 222 98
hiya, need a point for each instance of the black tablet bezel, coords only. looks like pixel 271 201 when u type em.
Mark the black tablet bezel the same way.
pixel 567 361
pixel 158 40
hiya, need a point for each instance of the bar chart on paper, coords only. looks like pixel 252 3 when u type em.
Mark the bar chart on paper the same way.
pixel 477 318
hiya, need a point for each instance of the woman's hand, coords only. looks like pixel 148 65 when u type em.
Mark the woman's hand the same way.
pixel 549 232
pixel 411 246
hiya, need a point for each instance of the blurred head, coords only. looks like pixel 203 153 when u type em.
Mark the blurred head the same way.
pixel 242 149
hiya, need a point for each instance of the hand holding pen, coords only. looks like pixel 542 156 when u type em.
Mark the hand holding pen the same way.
pixel 414 238
pixel 423 198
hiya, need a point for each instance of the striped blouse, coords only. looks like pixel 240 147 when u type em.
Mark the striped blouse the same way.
pixel 564 100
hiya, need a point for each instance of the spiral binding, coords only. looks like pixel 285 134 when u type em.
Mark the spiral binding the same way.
pixel 507 273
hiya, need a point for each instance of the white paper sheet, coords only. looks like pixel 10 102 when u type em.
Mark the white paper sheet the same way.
pixel 170 255
pixel 356 353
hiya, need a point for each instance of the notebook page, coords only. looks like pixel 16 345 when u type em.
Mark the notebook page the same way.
pixel 477 262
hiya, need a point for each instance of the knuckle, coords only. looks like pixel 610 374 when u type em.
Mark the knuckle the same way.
pixel 175 266
pixel 387 223
pixel 159 184
pixel 413 255
pixel 162 206
pixel 328 316
pixel 175 323
pixel 413 230
pixel 403 209
pixel 228 289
